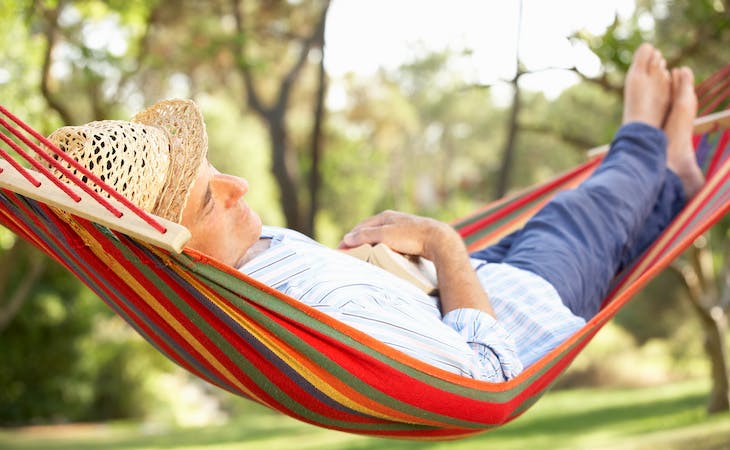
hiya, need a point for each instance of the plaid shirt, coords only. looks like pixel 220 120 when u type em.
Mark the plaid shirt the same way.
pixel 531 318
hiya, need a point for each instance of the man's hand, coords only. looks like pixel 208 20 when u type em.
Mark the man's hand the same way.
pixel 405 233
pixel 433 240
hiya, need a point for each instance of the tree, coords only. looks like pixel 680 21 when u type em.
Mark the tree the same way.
pixel 47 317
pixel 695 34
pixel 99 77
pixel 284 162
pixel 708 285
pixel 517 127
pixel 15 296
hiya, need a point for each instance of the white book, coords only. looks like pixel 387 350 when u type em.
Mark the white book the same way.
pixel 414 269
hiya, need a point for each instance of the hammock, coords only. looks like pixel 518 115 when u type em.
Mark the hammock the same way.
pixel 251 340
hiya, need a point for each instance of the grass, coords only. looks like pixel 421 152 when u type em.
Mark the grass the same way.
pixel 666 417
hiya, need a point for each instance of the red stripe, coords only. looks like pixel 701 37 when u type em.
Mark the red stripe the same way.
pixel 380 375
pixel 6 156
pixel 118 284
pixel 710 82
pixel 266 366
pixel 711 105
pixel 82 256
pixel 385 378
pixel 477 225
pixel 396 383
pixel 356 363
pixel 719 154
pixel 21 229
pixel 115 289
pixel 715 87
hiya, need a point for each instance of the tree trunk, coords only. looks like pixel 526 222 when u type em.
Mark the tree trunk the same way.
pixel 508 154
pixel 284 165
pixel 715 347
pixel 50 32
pixel 12 302
pixel 317 133
pixel 284 170
pixel 701 281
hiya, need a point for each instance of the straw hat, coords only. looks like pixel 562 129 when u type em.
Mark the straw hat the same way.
pixel 152 160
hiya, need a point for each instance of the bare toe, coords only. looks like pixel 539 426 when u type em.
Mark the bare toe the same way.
pixel 655 61
pixel 648 88
pixel 680 154
pixel 642 57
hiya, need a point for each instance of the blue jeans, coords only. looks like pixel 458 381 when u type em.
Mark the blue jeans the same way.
pixel 583 237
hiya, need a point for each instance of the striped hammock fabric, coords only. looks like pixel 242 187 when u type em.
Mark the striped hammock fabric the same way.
pixel 255 342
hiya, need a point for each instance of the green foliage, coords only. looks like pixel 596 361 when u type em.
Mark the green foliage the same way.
pixel 39 356
pixel 60 361
pixel 585 116
pixel 616 46
pixel 688 32
pixel 355 181
pixel 426 140
pixel 119 365
pixel 21 51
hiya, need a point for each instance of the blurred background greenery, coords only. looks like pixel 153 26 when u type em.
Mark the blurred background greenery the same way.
pixel 322 151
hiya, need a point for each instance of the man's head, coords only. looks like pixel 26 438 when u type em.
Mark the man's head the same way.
pixel 158 161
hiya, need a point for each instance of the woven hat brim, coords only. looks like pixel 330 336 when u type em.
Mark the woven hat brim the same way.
pixel 184 123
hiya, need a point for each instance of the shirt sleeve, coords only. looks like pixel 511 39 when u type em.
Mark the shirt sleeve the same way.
pixel 422 336
pixel 493 346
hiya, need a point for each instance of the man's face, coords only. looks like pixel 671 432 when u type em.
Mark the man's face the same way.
pixel 221 223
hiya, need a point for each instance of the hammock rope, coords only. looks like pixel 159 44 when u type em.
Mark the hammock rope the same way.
pixel 72 162
pixel 251 340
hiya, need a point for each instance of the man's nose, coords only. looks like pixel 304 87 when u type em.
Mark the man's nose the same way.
pixel 238 183
pixel 233 188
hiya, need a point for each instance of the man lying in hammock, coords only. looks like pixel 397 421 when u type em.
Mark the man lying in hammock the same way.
pixel 499 309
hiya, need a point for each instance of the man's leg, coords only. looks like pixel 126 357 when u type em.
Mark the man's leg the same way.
pixel 568 245
pixel 683 175
pixel 669 203
pixel 579 239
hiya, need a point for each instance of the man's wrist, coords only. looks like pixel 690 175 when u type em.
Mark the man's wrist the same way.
pixel 443 240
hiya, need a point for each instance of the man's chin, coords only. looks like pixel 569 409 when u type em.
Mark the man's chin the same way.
pixel 251 242
pixel 256 222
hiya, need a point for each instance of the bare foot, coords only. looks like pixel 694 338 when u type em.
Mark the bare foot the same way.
pixel 647 91
pixel 678 128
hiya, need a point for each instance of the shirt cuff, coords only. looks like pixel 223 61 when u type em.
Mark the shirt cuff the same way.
pixel 492 345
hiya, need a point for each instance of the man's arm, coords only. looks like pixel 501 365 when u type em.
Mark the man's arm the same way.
pixel 465 306
pixel 459 286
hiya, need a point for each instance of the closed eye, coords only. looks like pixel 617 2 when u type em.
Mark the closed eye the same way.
pixel 208 202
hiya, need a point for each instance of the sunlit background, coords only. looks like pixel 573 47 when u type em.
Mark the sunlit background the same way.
pixel 365 36
pixel 419 104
